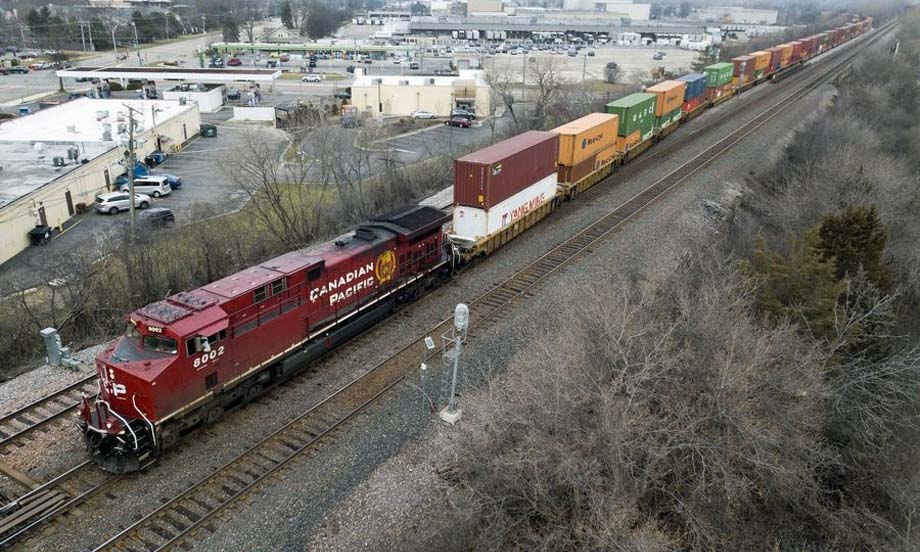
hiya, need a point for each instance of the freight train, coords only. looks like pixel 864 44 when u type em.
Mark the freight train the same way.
pixel 185 361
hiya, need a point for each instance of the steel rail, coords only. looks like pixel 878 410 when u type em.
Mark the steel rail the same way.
pixel 15 425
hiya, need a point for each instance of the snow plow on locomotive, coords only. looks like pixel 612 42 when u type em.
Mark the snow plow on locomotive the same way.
pixel 187 360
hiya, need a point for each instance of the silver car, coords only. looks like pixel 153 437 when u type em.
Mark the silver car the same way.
pixel 155 185
pixel 423 115
pixel 114 202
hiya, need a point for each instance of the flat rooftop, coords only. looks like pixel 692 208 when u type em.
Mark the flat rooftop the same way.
pixel 83 120
pixel 26 167
pixel 172 73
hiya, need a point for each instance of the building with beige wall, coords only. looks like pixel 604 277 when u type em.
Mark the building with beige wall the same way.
pixel 58 158
pixel 400 95
pixel 483 7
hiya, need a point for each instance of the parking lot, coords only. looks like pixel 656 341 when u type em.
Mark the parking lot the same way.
pixel 205 191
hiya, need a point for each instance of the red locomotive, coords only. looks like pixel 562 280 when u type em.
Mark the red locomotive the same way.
pixel 185 361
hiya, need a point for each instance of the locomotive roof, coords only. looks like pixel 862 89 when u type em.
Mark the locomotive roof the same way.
pixel 205 301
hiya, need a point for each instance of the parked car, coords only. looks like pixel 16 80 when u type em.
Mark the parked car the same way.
pixel 312 77
pixel 590 53
pixel 461 122
pixel 157 217
pixel 311 64
pixel 368 61
pixel 271 64
pixel 463 113
pixel 155 185
pixel 350 69
pixel 175 182
pixel 420 114
pixel 4 71
pixel 233 62
pixel 114 202
pixel 19 69
pixel 414 65
pixel 233 93
pixel 284 57
pixel 658 57
pixel 573 52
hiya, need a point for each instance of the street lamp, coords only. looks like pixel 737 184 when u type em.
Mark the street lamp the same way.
pixel 115 44
pixel 451 414
pixel 137 47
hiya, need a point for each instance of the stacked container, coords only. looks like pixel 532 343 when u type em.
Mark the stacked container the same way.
pixel 718 80
pixel 695 91
pixel 669 98
pixel 798 50
pixel 497 185
pixel 761 63
pixel 776 59
pixel 822 41
pixel 786 55
pixel 586 145
pixel 743 71
pixel 636 114
pixel 836 37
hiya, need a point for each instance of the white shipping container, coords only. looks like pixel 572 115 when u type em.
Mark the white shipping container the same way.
pixel 472 223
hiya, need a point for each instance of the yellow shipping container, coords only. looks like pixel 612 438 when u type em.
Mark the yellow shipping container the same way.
pixel 785 57
pixel 582 138
pixel 761 60
pixel 626 142
pixel 670 96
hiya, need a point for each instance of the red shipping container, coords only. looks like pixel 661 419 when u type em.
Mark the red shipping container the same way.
pixel 744 69
pixel 693 104
pixel 798 50
pixel 776 57
pixel 718 92
pixel 486 177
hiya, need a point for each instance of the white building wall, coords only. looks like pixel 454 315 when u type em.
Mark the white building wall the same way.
pixel 209 101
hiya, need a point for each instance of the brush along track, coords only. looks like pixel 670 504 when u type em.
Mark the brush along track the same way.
pixel 190 513
pixel 17 425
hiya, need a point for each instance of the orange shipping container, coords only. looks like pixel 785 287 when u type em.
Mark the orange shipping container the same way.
pixel 587 166
pixel 582 138
pixel 626 142
pixel 605 157
pixel 761 60
pixel 786 56
pixel 670 96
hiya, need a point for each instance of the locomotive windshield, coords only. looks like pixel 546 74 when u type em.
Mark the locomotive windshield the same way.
pixel 152 343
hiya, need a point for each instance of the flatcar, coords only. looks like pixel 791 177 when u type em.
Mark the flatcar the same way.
pixel 185 361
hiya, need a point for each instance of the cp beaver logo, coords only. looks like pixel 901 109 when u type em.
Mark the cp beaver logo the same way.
pixel 386 266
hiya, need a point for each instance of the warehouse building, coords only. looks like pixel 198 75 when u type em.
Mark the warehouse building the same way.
pixel 735 14
pixel 400 95
pixel 53 163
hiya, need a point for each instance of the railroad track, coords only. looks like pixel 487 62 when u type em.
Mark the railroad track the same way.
pixel 15 426
pixel 188 514
pixel 63 493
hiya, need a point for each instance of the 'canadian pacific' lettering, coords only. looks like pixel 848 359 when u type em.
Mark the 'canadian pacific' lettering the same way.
pixel 345 286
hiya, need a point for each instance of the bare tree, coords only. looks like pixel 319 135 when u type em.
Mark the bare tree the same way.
pixel 544 76
pixel 500 95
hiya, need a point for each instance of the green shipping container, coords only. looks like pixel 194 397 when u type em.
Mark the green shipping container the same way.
pixel 636 112
pixel 668 119
pixel 719 74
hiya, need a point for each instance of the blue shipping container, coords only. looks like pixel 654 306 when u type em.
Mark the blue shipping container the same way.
pixel 696 85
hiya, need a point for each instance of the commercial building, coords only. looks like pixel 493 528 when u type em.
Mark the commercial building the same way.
pixel 54 162
pixel 209 97
pixel 484 7
pixel 622 8
pixel 735 14
pixel 400 95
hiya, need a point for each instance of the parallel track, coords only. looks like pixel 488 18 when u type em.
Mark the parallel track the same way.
pixel 15 426
pixel 187 514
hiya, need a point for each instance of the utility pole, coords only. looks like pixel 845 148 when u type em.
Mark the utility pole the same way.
pixel 584 68
pixel 115 44
pixel 132 163
pixel 82 36
pixel 523 75
pixel 204 26
pixel 22 33
pixel 166 18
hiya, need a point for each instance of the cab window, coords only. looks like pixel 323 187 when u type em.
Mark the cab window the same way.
pixel 191 344
pixel 160 344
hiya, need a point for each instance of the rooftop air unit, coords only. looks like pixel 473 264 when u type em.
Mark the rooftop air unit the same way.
pixel 100 115
pixel 58 161
pixel 73 153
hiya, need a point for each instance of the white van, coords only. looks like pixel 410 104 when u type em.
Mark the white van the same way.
pixel 154 185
